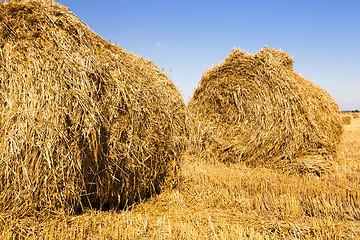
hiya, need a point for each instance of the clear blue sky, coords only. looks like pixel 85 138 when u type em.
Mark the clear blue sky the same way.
pixel 187 37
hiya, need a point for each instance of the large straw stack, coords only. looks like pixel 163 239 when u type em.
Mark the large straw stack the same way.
pixel 83 123
pixel 256 109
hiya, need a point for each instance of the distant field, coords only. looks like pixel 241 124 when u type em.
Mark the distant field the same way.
pixel 220 201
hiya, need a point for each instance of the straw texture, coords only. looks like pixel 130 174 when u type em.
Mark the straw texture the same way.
pixel 83 123
pixel 254 108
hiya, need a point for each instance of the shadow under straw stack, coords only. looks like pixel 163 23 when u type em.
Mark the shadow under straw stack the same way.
pixel 83 122
pixel 254 108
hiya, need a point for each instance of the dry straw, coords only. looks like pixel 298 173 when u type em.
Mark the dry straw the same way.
pixel 83 123
pixel 254 108
pixel 346 120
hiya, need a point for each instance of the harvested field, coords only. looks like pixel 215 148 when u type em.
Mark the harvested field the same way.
pixel 216 200
pixel 89 133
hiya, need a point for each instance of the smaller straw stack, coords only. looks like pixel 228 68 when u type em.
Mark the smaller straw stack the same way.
pixel 254 108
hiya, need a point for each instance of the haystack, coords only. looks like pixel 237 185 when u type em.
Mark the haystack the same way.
pixel 83 122
pixel 346 120
pixel 254 108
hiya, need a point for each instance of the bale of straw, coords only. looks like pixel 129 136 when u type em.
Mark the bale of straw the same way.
pixel 83 122
pixel 355 115
pixel 346 120
pixel 254 108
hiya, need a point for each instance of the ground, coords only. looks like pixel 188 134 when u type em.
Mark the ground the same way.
pixel 222 201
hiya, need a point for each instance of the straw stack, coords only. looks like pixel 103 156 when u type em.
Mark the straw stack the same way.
pixel 83 122
pixel 256 109
pixel 346 120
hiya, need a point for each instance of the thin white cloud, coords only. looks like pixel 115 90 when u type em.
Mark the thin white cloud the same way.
pixel 159 44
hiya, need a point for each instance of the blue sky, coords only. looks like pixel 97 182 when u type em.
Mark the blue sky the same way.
pixel 187 37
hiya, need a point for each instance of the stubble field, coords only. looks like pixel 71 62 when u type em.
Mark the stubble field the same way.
pixel 226 201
